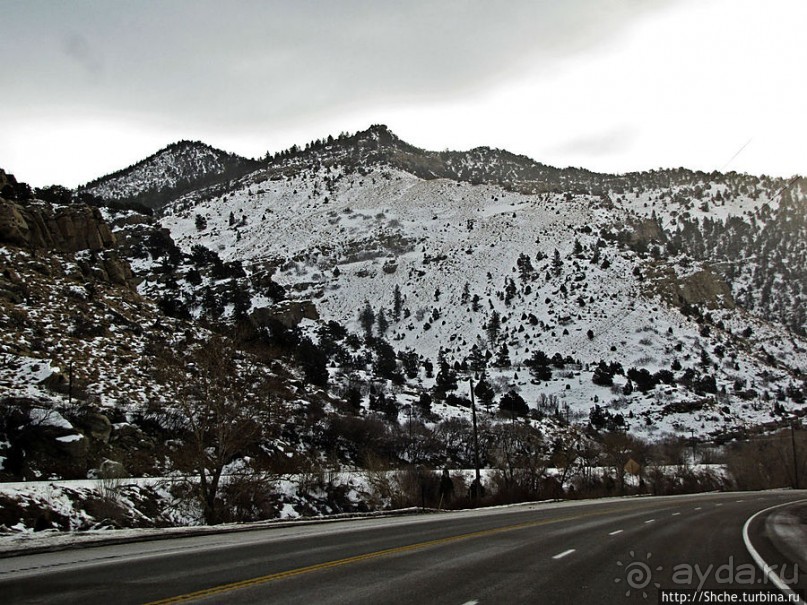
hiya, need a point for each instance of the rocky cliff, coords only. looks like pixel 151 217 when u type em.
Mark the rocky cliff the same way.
pixel 42 227
pixel 62 229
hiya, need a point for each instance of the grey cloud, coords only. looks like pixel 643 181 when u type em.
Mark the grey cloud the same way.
pixel 79 49
pixel 252 64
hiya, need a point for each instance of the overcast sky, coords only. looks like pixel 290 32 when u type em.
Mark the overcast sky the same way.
pixel 89 87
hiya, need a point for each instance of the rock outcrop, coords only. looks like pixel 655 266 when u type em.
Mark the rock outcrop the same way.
pixel 703 287
pixel 288 313
pixel 63 229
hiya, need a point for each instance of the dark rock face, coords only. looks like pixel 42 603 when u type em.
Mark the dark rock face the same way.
pixel 40 226
pixel 288 313
pixel 65 229
pixel 701 288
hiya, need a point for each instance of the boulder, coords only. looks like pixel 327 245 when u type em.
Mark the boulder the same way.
pixel 288 313
pixel 64 229
pixel 706 288
pixel 13 226
pixel 95 425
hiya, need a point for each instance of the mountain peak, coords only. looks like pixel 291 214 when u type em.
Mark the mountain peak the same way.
pixel 380 133
pixel 174 169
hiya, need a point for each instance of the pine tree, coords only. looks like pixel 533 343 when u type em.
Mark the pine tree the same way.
pixel 513 403
pixel 466 294
pixel 381 323
pixel 446 379
pixel 396 303
pixel 476 359
pixel 525 268
pixel 494 326
pixel 503 356
pixel 539 365
pixel 367 319
pixel 509 291
pixel 386 363
pixel 314 363
pixel 557 264
pixel 240 299
pixel 484 392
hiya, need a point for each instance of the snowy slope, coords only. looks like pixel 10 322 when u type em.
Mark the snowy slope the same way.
pixel 180 165
pixel 342 237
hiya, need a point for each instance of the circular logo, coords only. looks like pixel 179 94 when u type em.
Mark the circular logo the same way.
pixel 638 574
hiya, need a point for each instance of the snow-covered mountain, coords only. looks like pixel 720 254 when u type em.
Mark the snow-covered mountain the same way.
pixel 177 168
pixel 669 302
pixel 596 268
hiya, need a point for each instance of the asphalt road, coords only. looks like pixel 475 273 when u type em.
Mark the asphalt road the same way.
pixel 602 551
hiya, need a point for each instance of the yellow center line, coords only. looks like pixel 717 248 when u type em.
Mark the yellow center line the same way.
pixel 222 588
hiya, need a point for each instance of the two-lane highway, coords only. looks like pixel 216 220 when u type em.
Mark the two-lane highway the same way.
pixel 604 551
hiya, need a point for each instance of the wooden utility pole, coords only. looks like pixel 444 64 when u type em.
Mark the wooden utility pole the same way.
pixel 795 459
pixel 477 480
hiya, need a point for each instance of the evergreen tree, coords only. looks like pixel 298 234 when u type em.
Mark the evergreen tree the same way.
pixel 503 356
pixel 411 363
pixel 367 319
pixel 557 264
pixel 193 277
pixel 396 303
pixel 240 299
pixel 314 363
pixel 514 404
pixel 539 365
pixel 525 268
pixel 494 326
pixel 466 294
pixel 484 392
pixel 509 291
pixel 425 402
pixel 602 375
pixel 476 360
pixel 446 379
pixel 211 304
pixel 381 323
pixel 386 363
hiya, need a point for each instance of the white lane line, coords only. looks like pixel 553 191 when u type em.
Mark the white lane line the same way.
pixel 767 570
pixel 740 500
pixel 675 514
pixel 718 504
pixel 470 602
pixel 698 508
pixel 649 521
pixel 564 553
pixel 613 533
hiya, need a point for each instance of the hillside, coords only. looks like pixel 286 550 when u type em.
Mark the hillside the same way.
pixel 176 169
pixel 357 285
pixel 614 276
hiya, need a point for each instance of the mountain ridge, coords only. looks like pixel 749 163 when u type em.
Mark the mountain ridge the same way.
pixel 365 278
pixel 378 145
pixel 170 171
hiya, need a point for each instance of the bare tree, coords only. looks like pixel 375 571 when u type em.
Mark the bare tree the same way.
pixel 519 454
pixel 220 409
pixel 618 449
